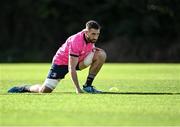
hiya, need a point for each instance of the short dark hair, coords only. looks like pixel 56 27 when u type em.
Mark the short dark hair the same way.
pixel 92 24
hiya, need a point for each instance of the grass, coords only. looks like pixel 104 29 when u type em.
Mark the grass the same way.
pixel 149 95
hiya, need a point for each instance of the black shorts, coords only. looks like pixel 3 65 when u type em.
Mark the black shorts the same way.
pixel 59 71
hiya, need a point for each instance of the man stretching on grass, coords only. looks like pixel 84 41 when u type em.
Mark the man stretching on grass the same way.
pixel 77 53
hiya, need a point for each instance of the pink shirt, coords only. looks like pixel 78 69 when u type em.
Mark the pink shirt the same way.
pixel 75 45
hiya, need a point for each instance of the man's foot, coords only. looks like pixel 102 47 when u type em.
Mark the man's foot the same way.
pixel 91 89
pixel 19 89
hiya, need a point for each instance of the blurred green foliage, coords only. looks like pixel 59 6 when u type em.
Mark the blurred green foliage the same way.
pixel 132 31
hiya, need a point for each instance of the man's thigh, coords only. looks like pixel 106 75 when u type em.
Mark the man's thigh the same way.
pixel 89 58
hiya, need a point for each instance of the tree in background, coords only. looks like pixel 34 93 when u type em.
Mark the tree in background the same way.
pixel 132 31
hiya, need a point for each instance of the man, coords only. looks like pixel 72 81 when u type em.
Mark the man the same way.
pixel 77 53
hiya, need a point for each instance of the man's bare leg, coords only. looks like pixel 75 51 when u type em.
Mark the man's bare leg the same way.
pixel 47 87
pixel 40 89
pixel 97 62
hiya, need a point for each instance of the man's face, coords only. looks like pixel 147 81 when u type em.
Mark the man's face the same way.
pixel 92 35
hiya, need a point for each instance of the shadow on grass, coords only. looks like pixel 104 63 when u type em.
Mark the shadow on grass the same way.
pixel 141 93
pixel 118 93
pixel 127 93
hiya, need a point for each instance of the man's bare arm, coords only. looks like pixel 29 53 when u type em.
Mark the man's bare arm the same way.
pixel 73 61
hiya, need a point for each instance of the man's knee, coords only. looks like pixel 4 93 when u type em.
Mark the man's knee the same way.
pixel 49 85
pixel 100 55
pixel 45 89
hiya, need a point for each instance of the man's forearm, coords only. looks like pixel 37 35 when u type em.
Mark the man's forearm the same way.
pixel 73 61
pixel 74 78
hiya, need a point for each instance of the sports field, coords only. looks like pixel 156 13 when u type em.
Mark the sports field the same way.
pixel 148 94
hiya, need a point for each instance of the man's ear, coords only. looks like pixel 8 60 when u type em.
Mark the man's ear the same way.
pixel 86 31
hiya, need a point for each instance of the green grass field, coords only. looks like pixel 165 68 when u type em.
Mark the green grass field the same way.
pixel 149 94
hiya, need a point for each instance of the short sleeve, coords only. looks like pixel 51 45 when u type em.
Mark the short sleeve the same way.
pixel 75 48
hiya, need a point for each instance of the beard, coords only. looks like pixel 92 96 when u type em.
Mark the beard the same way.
pixel 91 40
